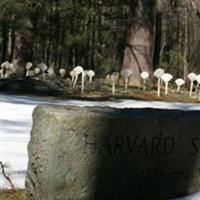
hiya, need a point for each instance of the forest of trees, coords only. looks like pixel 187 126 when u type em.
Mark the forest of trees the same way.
pixel 104 35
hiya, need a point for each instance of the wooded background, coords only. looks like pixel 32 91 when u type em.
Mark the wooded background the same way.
pixel 104 35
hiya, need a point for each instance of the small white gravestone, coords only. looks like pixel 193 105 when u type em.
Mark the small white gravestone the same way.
pixel 11 69
pixel 4 67
pixel 28 67
pixel 166 78
pixel 126 74
pixel 75 74
pixel 197 79
pixel 37 70
pixel 144 75
pixel 1 73
pixel 90 74
pixel 179 82
pixel 51 72
pixel 107 78
pixel 62 72
pixel 191 77
pixel 44 69
pixel 158 73
pixel 114 79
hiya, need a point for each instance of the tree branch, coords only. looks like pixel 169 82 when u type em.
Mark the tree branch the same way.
pixel 6 176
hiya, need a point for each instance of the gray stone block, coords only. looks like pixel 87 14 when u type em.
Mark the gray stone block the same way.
pixel 112 154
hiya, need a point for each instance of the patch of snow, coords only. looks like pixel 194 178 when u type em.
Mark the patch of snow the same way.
pixel 16 122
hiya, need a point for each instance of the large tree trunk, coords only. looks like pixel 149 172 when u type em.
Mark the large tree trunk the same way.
pixel 138 54
pixel 23 47
pixel 4 41
pixel 185 67
pixel 158 39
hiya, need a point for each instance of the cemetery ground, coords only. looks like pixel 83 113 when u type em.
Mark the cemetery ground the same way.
pixel 97 91
pixel 134 94
pixel 12 195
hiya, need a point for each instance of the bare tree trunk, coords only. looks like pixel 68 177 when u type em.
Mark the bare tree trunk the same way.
pixel 4 42
pixel 139 50
pixel 158 38
pixel 23 48
pixel 11 40
pixel 2 166
pixel 185 67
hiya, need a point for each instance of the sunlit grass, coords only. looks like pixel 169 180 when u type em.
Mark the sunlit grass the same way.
pixel 12 195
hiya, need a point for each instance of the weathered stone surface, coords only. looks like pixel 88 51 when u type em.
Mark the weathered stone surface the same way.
pixel 111 154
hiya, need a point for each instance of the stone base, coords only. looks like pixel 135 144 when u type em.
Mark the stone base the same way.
pixel 112 154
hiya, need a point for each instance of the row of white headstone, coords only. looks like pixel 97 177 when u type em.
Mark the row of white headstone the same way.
pixel 7 69
pixel 40 69
pixel 160 75
pixel 125 74
pixel 75 73
pixel 166 77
